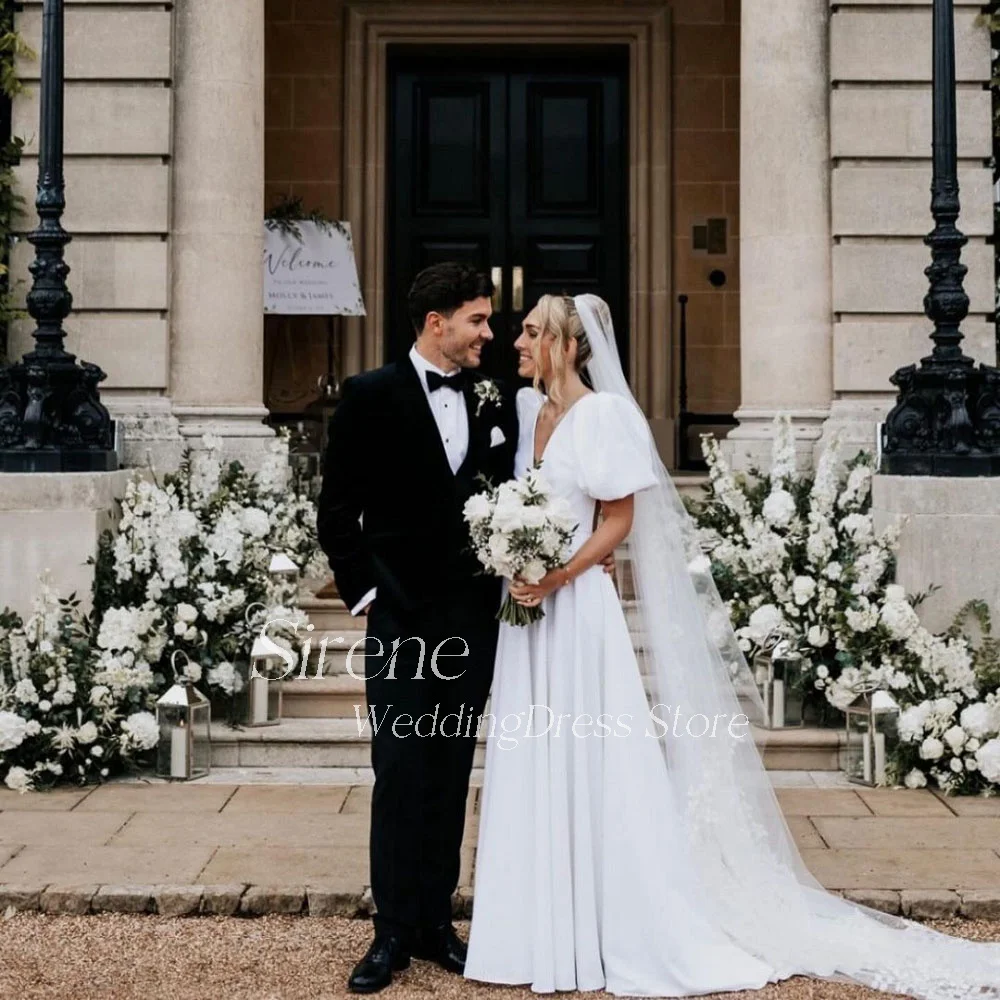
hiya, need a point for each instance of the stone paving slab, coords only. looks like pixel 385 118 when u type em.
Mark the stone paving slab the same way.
pixel 970 805
pixel 912 802
pixel 966 833
pixel 250 799
pixel 821 802
pixel 249 830
pixel 156 797
pixel 342 867
pixel 180 862
pixel 804 832
pixel 56 799
pixel 47 829
pixel 889 868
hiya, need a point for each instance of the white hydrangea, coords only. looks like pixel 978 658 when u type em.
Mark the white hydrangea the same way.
pixel 931 749
pixel 224 676
pixel 803 589
pixel 981 720
pixel 779 508
pixel 141 730
pixel 859 528
pixel 87 733
pixel 915 779
pixel 255 522
pixel 18 780
pixel 988 760
pixel 899 618
pixel 13 730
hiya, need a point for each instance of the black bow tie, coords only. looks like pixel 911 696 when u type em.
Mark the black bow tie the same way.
pixel 456 381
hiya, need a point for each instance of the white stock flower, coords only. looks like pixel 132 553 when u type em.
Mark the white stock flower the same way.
pixel 915 779
pixel 13 730
pixel 859 528
pixel 24 692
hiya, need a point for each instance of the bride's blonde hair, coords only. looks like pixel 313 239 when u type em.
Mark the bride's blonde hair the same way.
pixel 558 316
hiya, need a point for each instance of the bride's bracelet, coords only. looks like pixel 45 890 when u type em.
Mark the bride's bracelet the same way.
pixel 568 577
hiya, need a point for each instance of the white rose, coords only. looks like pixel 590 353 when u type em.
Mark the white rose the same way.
pixel 915 779
pixel 187 613
pixel 822 671
pixel 44 705
pixel 763 621
pixel 477 508
pixel 97 751
pixel 534 571
pixel 818 636
pixel 803 589
pixel 834 571
pixel 931 749
pixel 955 738
pixel 180 628
pixel 87 733
pixel 972 744
pixel 956 765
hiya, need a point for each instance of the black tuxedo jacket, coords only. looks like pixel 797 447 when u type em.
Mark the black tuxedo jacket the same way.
pixel 390 510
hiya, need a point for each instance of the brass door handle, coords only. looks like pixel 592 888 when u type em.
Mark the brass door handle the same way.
pixel 517 292
pixel 496 276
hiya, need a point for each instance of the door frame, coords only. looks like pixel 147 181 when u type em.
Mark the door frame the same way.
pixel 644 30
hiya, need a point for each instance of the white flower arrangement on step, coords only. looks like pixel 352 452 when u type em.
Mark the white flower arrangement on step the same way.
pixel 798 557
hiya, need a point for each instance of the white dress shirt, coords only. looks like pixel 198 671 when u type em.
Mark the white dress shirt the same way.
pixel 452 418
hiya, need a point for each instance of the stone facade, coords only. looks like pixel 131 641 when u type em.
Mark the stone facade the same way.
pixel 185 120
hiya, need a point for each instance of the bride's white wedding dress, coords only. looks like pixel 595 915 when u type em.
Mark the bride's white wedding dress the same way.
pixel 581 876
pixel 624 853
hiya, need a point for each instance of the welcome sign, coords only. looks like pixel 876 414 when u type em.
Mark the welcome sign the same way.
pixel 314 275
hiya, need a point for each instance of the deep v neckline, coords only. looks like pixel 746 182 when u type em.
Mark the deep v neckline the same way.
pixel 537 459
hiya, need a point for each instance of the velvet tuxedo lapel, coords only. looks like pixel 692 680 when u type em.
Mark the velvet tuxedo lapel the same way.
pixel 420 420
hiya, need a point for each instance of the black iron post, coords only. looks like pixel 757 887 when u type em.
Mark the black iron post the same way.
pixel 946 421
pixel 51 416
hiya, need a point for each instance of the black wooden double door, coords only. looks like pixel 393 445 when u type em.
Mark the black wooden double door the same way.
pixel 517 166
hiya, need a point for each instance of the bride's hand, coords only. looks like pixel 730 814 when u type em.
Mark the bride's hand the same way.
pixel 532 594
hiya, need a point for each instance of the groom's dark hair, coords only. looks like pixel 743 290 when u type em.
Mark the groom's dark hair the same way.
pixel 442 288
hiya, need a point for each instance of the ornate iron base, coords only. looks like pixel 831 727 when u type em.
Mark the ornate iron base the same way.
pixel 946 421
pixel 52 419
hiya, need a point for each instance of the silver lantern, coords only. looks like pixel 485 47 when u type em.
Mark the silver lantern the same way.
pixel 264 696
pixel 184 718
pixel 872 722
pixel 285 574
pixel 778 673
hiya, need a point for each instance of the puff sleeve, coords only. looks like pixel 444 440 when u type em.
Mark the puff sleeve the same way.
pixel 613 448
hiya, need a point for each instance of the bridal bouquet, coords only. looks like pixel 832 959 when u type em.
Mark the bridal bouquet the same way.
pixel 520 530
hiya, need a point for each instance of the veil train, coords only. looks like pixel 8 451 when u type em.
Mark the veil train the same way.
pixel 756 886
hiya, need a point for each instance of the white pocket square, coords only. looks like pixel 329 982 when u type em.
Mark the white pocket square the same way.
pixel 496 437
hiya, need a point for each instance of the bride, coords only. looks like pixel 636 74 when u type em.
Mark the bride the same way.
pixel 628 842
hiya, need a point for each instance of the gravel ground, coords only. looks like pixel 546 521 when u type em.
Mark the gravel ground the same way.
pixel 121 957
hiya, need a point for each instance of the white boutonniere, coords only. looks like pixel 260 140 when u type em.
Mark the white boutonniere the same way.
pixel 486 391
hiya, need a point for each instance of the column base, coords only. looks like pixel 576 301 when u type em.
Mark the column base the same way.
pixel 950 537
pixel 149 431
pixel 749 445
pixel 245 436
pixel 855 420
pixel 53 522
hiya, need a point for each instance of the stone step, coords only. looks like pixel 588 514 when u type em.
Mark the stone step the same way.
pixel 330 615
pixel 336 742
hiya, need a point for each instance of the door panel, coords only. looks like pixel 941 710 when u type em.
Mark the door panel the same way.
pixel 509 162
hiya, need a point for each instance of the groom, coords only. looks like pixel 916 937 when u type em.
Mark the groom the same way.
pixel 406 444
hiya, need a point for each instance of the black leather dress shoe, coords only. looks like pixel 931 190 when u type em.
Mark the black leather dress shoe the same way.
pixel 442 945
pixel 374 972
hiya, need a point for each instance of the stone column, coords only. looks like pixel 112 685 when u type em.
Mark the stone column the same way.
pixel 217 331
pixel 785 246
